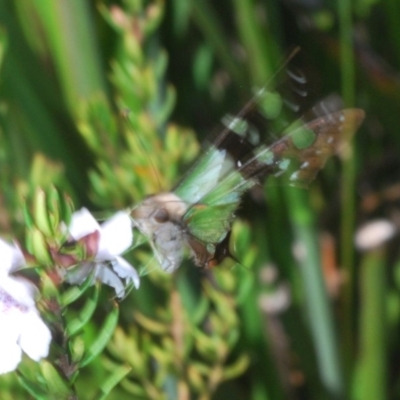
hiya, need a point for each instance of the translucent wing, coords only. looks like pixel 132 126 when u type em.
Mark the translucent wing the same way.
pixel 300 154
pixel 198 214
pixel 263 113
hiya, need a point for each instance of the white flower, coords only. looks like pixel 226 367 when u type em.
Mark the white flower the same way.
pixel 374 234
pixel 115 236
pixel 21 328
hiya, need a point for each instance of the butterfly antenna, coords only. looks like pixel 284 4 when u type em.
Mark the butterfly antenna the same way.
pixel 260 92
pixel 125 114
pixel 293 53
pixel 146 270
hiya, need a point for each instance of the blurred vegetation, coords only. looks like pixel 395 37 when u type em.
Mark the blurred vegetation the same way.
pixel 321 322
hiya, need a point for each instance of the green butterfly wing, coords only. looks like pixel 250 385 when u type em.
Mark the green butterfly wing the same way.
pixel 210 219
pixel 300 155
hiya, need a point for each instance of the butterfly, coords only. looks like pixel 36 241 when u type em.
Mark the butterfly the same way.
pixel 198 214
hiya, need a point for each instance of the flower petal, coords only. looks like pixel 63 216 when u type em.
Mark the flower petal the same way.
pixel 126 271
pixel 18 259
pixel 10 356
pixel 21 327
pixel 374 234
pixel 11 257
pixel 20 292
pixel 77 274
pixel 15 317
pixel 35 336
pixel 112 274
pixel 110 278
pixel 116 236
pixel 82 223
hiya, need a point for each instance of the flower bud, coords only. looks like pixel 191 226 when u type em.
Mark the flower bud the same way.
pixel 37 246
pixel 41 213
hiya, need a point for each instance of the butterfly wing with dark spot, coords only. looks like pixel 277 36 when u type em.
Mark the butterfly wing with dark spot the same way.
pixel 304 151
pixel 299 155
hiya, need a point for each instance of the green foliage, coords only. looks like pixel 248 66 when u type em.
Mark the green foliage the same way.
pixel 96 100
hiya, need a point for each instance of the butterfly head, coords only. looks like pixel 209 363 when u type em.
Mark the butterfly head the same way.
pixel 159 218
pixel 157 210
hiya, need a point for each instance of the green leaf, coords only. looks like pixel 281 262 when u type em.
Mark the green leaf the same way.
pixel 41 213
pixel 74 51
pixel 38 392
pixel 75 292
pixel 58 388
pixel 164 111
pixel 113 380
pixel 371 371
pixel 38 247
pixel 28 219
pixel 103 338
pixel 237 368
pixel 3 45
pixel 76 325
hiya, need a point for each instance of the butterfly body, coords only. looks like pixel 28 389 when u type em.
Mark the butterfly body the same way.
pixel 159 217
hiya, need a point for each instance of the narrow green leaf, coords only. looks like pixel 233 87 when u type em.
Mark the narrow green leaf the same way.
pixel 41 213
pixel 371 366
pixel 33 389
pixel 58 388
pixel 103 338
pixel 316 300
pixel 113 380
pixel 348 184
pixel 165 109
pixel 204 16
pixel 28 220
pixel 237 368
pixel 3 45
pixel 75 51
pixel 85 315
pixel 75 292
pixel 38 247
pixel 202 308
